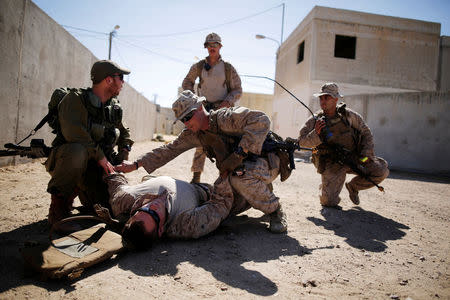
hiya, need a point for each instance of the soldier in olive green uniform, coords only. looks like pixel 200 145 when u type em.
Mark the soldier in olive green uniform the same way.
pixel 345 127
pixel 219 83
pixel 234 138
pixel 90 125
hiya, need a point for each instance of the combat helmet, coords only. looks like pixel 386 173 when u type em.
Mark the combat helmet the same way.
pixel 212 38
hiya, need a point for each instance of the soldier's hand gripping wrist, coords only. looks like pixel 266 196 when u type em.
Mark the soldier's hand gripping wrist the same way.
pixel 126 167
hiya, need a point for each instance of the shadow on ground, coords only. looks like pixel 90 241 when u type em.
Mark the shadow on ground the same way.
pixel 361 229
pixel 245 240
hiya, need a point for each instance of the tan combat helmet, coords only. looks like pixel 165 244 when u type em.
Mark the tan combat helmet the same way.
pixel 212 38
pixel 186 102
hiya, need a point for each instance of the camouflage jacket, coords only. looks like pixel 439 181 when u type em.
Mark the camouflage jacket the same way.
pixel 249 125
pixel 309 138
pixel 234 84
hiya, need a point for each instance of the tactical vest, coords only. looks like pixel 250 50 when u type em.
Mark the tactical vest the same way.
pixel 102 122
pixel 201 64
pixel 342 133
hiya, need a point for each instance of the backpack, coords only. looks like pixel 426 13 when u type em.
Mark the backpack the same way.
pixel 57 95
pixel 52 116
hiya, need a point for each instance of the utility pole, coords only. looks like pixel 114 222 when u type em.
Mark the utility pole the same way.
pixel 111 35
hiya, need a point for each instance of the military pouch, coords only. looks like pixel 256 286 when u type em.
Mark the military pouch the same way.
pixel 97 132
pixel 319 162
pixel 285 169
pixel 114 114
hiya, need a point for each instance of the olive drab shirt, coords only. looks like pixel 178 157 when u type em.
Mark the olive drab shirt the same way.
pixel 309 138
pixel 250 125
pixel 83 120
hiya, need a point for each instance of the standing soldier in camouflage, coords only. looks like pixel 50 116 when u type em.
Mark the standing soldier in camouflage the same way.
pixel 219 83
pixel 234 138
pixel 89 126
pixel 344 127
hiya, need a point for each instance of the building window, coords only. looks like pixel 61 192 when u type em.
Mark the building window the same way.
pixel 345 46
pixel 301 52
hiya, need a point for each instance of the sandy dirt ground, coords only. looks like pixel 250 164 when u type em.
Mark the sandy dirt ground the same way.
pixel 392 246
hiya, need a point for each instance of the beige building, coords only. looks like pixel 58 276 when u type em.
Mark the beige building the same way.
pixel 395 72
pixel 364 53
pixel 262 102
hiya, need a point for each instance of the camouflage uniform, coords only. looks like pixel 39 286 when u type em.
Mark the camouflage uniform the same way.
pixel 250 189
pixel 88 128
pixel 215 88
pixel 181 196
pixel 333 174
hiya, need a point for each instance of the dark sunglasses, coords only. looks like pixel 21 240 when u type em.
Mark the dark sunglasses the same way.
pixel 212 45
pixel 118 75
pixel 152 213
pixel 187 117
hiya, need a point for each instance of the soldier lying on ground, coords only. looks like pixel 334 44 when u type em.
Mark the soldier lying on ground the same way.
pixel 149 209
pixel 234 138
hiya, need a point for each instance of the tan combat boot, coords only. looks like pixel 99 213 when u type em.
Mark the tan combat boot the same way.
pixel 278 221
pixel 352 194
pixel 196 177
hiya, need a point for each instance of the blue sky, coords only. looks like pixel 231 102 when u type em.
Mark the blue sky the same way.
pixel 159 40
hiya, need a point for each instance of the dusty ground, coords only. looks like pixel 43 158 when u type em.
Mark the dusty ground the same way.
pixel 393 246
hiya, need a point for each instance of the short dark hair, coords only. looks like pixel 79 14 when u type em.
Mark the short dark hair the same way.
pixel 137 237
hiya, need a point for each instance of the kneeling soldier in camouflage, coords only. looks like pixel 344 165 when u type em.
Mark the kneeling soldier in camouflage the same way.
pixel 234 138
pixel 343 144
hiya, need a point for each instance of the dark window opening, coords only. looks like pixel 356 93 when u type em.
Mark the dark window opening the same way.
pixel 301 52
pixel 345 46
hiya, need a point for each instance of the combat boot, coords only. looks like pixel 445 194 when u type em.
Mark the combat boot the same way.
pixel 352 194
pixel 196 177
pixel 60 208
pixel 278 221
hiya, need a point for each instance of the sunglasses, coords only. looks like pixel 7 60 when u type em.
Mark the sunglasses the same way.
pixel 118 75
pixel 187 117
pixel 212 45
pixel 152 213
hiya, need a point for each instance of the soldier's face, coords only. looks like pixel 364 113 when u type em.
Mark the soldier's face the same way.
pixel 327 102
pixel 194 123
pixel 213 48
pixel 116 84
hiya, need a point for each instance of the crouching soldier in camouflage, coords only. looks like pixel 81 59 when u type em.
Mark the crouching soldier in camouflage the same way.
pixel 339 128
pixel 89 126
pixel 234 138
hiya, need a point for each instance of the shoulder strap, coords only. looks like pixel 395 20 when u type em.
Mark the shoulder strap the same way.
pixel 228 68
pixel 200 65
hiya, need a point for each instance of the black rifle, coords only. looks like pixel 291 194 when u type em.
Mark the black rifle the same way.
pixel 37 149
pixel 274 142
pixel 345 157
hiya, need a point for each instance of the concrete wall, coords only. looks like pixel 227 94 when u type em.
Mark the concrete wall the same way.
pixel 410 129
pixel 444 62
pixel 255 101
pixel 37 56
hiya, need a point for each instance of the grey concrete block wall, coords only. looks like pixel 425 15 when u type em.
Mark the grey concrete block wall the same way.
pixel 37 56
pixel 410 129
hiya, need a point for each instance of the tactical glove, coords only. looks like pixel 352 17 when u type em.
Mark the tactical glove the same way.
pixel 230 163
